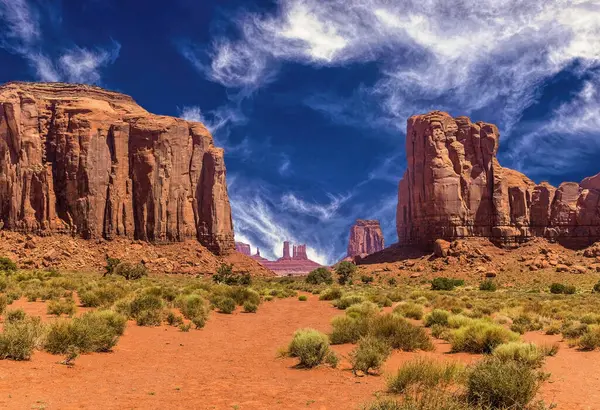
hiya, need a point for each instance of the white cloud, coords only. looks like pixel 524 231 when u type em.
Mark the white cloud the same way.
pixel 323 212
pixel 20 23
pixel 80 65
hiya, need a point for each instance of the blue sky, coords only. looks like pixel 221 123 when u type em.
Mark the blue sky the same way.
pixel 310 97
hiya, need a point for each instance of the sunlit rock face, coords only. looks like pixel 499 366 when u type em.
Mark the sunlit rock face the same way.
pixel 454 187
pixel 90 162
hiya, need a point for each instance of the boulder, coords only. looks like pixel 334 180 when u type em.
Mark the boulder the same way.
pixel 441 248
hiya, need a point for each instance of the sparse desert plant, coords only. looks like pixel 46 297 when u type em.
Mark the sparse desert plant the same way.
pixel 173 319
pixel 302 298
pixel 185 327
pixel 480 337
pixel 131 271
pixel 348 329
pixel 227 276
pixel 192 306
pixel 19 338
pixel 488 285
pixel 225 305
pixel 250 307
pixel 410 310
pixel 16 315
pixel 399 333
pixel 311 347
pixel 319 276
pixel 441 283
pixel 146 309
pixel 526 353
pixel 7 265
pixel 111 264
pixel 369 355
pixel 345 270
pixel 348 300
pixel 199 321
pixel 61 307
pixel 559 288
pixel 437 317
pixel 596 288
pixel 3 303
pixel 497 384
pixel 573 330
pixel 366 279
pixel 96 331
pixel 331 294
pixel 424 374
pixel 590 340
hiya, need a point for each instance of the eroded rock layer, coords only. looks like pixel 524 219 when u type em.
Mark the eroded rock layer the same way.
pixel 365 238
pixel 454 187
pixel 82 160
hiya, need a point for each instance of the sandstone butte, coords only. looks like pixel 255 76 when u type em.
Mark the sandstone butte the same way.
pixel 295 264
pixel 365 238
pixel 92 163
pixel 454 187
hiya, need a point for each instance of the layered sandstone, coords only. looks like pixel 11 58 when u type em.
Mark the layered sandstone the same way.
pixel 243 248
pixel 85 161
pixel 296 263
pixel 365 238
pixel 454 187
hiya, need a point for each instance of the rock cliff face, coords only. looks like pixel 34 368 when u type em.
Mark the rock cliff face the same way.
pixel 365 238
pixel 82 160
pixel 243 248
pixel 454 187
pixel 295 264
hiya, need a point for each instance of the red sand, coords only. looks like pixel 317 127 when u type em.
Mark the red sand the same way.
pixel 232 364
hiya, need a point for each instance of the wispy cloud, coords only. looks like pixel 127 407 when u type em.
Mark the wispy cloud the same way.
pixel 323 212
pixel 22 35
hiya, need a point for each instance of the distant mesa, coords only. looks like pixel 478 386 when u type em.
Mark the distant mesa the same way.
pixel 454 187
pixel 294 263
pixel 365 238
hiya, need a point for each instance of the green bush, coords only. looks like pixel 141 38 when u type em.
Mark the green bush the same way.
pixel 370 354
pixel 346 329
pixel 7 265
pixel 331 294
pixel 3 303
pixel 199 321
pixel 348 300
pixel 526 353
pixel 366 279
pixel 345 270
pixel 226 275
pixel 319 276
pixel 250 307
pixel 13 316
pixel 572 330
pixel 437 317
pixel 192 306
pixel 111 264
pixel 410 310
pixel 480 337
pixel 130 271
pixel 399 333
pixel 570 290
pixel 422 374
pixel 225 305
pixel 441 283
pixel 146 309
pixel 173 319
pixel 19 338
pixel 557 288
pixel 488 286
pixel 596 288
pixel 494 383
pixel 311 347
pixel 61 307
pixel 302 298
pixel 590 340
pixel 90 299
pixel 96 331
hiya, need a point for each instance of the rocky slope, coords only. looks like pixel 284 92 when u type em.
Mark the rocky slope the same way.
pixel 365 238
pixel 454 187
pixel 81 160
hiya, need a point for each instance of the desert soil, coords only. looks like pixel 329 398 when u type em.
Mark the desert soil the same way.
pixel 232 364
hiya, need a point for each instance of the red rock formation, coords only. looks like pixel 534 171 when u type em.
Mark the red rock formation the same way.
pixel 454 187
pixel 243 248
pixel 365 238
pixel 82 160
pixel 298 264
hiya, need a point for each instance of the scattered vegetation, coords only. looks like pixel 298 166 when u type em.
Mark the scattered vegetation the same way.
pixel 311 347
pixel 345 270
pixel 319 276
pixel 441 283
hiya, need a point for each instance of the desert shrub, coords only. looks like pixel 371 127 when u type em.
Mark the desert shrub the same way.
pixel 442 283
pixel 250 307
pixel 331 294
pixel 90 299
pixel 399 333
pixel 111 264
pixel 302 298
pixel 185 327
pixel 590 340
pixel 439 331
pixel 347 329
pixel 345 270
pixel 225 305
pixel 369 354
pixel 488 286
pixel 192 306
pixel 392 281
pixel 526 353
pixel 13 316
pixel 572 330
pixel 596 288
pixel 3 303
pixel 380 299
pixel 494 383
pixel 480 337
pixel 348 300
pixel 366 279
pixel 410 310
pixel 199 321
pixel 559 288
pixel 7 265
pixel 131 271
pixel 61 307
pixel 590 319
pixel 570 290
pixel 423 374
pixel 364 310
pixel 242 294
pixel 226 275
pixel 19 338
pixel 146 309
pixel 437 317
pixel 96 331
pixel 319 276
pixel 524 323
pixel 311 347
pixel 173 319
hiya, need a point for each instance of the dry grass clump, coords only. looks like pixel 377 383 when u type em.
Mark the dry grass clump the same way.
pixel 311 347
pixel 410 310
pixel 61 307
pixel 422 373
pixel 480 336
pixel 20 337
pixel 369 355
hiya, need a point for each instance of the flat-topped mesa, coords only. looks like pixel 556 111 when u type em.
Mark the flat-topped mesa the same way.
pixel 365 238
pixel 243 248
pixel 454 187
pixel 81 160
